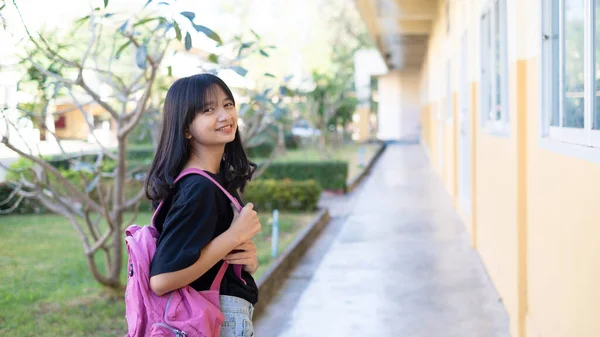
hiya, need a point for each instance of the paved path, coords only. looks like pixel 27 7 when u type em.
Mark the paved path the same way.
pixel 395 261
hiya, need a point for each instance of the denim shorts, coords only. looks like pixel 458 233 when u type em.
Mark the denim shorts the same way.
pixel 238 317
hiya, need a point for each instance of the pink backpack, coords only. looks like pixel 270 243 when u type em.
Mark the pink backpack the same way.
pixel 183 312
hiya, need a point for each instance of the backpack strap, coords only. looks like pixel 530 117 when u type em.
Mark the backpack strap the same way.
pixel 217 281
pixel 237 268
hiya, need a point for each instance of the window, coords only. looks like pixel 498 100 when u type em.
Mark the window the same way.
pixel 494 67
pixel 571 71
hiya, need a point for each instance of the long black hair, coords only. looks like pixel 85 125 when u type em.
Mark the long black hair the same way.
pixel 187 97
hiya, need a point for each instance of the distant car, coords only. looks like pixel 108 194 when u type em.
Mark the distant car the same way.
pixel 303 129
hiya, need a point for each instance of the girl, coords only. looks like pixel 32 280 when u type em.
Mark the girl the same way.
pixel 198 226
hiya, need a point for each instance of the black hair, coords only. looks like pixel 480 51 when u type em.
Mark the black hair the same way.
pixel 187 97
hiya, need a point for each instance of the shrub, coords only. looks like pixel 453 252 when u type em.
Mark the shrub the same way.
pixel 330 175
pixel 26 206
pixel 291 142
pixel 263 150
pixel 284 195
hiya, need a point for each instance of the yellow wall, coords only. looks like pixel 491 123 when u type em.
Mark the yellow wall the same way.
pixel 76 127
pixel 563 235
pixel 534 218
pixel 75 124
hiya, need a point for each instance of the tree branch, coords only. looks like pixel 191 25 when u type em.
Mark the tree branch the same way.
pixel 44 71
pixel 90 126
pixel 134 117
pixel 137 45
pixel 61 179
pixel 92 225
pixel 135 200
pixel 100 242
pixel 97 97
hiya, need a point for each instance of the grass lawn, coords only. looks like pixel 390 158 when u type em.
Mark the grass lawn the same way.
pixel 348 152
pixel 46 288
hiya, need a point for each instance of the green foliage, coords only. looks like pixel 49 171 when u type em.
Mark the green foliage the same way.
pixel 8 200
pixel 263 150
pixel 330 175
pixel 284 195
pixel 291 142
pixel 343 114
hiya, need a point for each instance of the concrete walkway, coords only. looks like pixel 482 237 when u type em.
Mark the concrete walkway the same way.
pixel 395 261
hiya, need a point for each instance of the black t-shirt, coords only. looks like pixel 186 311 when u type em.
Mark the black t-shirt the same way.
pixel 196 213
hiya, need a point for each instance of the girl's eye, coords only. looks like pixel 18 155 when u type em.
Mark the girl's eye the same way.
pixel 229 104
pixel 208 110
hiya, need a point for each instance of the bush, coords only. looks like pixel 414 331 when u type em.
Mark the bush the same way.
pixel 284 195
pixel 291 142
pixel 263 150
pixel 26 206
pixel 330 175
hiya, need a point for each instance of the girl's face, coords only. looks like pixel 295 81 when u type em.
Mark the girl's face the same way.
pixel 216 124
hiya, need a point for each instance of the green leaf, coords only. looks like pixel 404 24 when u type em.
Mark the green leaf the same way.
pixel 170 71
pixel 139 23
pixel 284 90
pixel 188 41
pixel 120 50
pixel 124 26
pixel 241 71
pixel 108 15
pixel 264 53
pixel 209 33
pixel 269 75
pixel 177 31
pixel 87 17
pixel 189 15
pixel 140 57
pixel 244 46
pixel 81 21
pixel 213 58
pixel 105 3
pixel 255 33
pixel 147 3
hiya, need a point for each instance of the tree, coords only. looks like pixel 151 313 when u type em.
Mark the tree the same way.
pixel 122 67
pixel 333 97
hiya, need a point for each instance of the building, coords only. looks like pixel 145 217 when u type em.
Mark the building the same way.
pixel 510 119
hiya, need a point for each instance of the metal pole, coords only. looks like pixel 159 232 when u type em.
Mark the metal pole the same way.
pixel 275 233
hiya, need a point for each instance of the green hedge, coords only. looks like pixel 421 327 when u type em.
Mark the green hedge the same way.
pixel 263 150
pixel 284 195
pixel 330 175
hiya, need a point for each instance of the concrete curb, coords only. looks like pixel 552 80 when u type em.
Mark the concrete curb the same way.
pixel 273 278
pixel 356 181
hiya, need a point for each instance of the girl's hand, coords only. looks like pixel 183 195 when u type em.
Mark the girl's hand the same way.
pixel 245 224
pixel 244 254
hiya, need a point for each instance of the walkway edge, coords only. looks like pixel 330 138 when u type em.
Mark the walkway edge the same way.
pixel 356 181
pixel 272 280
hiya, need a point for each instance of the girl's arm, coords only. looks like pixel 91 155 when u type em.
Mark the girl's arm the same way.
pixel 212 253
pixel 243 227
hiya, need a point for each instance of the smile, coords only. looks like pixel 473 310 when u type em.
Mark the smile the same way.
pixel 226 128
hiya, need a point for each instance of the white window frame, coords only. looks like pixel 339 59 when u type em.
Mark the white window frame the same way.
pixel 489 88
pixel 551 76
